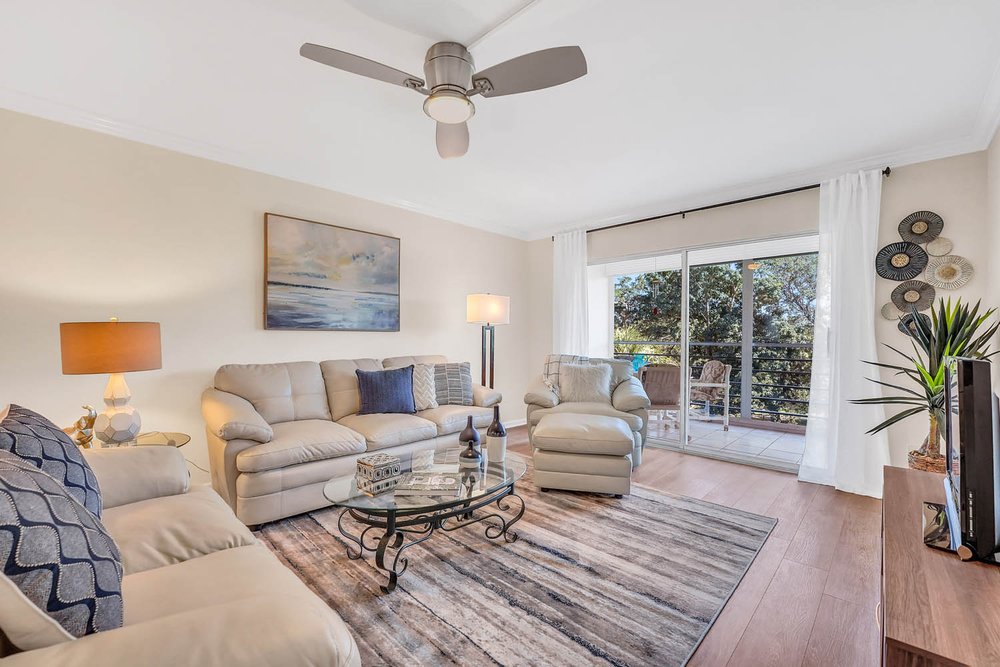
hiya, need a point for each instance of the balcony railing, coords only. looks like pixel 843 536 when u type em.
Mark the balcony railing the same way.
pixel 776 391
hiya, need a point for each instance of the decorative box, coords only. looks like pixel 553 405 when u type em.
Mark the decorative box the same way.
pixel 376 467
pixel 374 487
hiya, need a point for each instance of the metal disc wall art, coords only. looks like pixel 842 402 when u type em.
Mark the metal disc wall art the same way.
pixel 907 323
pixel 913 294
pixel 921 227
pixel 949 272
pixel 901 260
pixel 940 247
pixel 890 312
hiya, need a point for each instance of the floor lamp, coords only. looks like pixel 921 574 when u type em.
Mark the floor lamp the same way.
pixel 488 310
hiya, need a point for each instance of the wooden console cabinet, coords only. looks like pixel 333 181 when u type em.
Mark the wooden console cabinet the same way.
pixel 936 609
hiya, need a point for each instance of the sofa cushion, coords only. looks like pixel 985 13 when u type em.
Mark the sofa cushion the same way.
pixel 553 366
pixel 342 384
pixel 452 418
pixel 279 392
pixel 389 430
pixel 388 391
pixel 300 442
pixel 583 434
pixel 585 383
pixel 172 529
pixel 400 362
pixel 424 389
pixel 453 383
pixel 37 440
pixel 634 421
pixel 62 573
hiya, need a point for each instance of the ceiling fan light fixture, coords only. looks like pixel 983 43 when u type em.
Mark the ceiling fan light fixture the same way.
pixel 449 107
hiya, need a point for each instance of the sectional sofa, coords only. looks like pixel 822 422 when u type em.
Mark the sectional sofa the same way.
pixel 277 433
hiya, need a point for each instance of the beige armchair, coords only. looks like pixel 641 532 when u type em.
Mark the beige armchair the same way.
pixel 628 403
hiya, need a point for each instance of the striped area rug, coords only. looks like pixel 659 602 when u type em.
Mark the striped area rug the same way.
pixel 592 580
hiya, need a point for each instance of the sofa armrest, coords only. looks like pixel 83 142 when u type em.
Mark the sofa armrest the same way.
pixel 270 631
pixel 540 394
pixel 233 417
pixel 130 474
pixel 630 395
pixel 485 397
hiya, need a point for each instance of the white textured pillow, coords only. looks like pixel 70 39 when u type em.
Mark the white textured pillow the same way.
pixel 424 387
pixel 585 384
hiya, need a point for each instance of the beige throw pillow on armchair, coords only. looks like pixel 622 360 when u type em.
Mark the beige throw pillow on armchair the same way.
pixel 580 383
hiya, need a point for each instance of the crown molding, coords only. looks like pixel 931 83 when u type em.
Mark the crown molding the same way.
pixel 69 115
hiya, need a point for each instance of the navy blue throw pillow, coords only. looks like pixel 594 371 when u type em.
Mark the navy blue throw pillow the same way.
pixel 56 552
pixel 37 440
pixel 386 391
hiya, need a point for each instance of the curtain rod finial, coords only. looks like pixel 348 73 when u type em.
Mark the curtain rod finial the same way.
pixel 887 172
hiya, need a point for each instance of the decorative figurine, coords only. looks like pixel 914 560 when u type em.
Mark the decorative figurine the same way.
pixel 82 431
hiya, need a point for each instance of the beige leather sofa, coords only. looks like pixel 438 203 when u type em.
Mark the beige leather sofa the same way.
pixel 199 590
pixel 628 403
pixel 277 433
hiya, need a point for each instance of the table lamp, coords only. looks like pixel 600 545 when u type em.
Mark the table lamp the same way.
pixel 487 309
pixel 112 347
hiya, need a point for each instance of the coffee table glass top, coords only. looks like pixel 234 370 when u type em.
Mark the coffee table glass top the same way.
pixel 477 482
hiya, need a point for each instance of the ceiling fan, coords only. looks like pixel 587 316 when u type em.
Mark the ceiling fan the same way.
pixel 451 80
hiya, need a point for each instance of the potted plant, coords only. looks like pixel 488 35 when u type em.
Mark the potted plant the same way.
pixel 950 331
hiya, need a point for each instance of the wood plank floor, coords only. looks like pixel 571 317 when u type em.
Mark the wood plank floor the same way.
pixel 810 597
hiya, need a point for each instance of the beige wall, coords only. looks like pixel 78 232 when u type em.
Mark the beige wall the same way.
pixel 954 188
pixel 95 226
pixel 992 271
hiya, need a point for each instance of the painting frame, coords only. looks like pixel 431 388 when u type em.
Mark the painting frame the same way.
pixel 267 284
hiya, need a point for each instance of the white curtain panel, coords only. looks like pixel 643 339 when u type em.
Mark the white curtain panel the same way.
pixel 838 452
pixel 570 321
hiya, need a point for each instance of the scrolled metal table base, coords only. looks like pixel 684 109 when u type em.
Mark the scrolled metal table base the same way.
pixel 389 533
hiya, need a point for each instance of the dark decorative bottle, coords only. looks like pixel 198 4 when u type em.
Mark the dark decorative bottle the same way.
pixel 471 455
pixel 496 438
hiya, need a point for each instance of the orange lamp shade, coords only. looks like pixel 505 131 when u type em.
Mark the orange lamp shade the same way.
pixel 109 347
pixel 487 309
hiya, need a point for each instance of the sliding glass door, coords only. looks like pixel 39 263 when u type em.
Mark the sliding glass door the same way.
pixel 722 340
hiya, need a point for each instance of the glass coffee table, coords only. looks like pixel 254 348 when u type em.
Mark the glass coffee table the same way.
pixel 387 525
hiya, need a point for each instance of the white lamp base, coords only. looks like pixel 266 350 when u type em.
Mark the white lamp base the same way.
pixel 120 422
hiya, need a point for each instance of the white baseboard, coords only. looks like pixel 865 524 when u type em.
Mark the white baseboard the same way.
pixel 515 422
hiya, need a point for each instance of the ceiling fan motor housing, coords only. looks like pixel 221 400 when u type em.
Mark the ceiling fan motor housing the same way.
pixel 448 66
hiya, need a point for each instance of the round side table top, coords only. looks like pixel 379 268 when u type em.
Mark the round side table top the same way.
pixel 163 439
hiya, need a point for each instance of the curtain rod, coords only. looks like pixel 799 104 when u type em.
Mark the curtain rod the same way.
pixel 885 172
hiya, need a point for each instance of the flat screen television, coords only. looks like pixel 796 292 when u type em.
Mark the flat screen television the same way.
pixel 972 437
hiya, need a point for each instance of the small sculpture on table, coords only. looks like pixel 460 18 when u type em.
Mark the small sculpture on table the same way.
pixel 82 430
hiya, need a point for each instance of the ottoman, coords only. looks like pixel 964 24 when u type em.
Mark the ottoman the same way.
pixel 578 452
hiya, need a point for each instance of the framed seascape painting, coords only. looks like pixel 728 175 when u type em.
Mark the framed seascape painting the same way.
pixel 328 278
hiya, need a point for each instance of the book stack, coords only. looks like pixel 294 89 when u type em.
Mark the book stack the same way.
pixel 428 484
pixel 378 473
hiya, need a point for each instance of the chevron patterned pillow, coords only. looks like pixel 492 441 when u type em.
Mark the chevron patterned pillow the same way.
pixel 37 440
pixel 62 572
pixel 424 391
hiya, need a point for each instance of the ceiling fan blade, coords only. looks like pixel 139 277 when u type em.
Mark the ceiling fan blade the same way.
pixel 358 65
pixel 452 139
pixel 534 71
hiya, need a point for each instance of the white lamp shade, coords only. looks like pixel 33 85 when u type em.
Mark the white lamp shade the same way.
pixel 487 309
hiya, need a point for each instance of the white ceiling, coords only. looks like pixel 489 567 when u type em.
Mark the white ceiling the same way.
pixel 685 103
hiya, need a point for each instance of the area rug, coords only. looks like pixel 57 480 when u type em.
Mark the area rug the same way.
pixel 591 580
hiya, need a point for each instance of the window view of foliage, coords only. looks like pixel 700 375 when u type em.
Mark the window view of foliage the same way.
pixel 648 321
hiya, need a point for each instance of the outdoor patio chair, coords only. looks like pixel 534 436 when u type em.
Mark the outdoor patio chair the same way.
pixel 662 383
pixel 713 383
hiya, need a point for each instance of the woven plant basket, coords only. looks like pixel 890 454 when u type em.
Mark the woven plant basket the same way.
pixel 926 463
